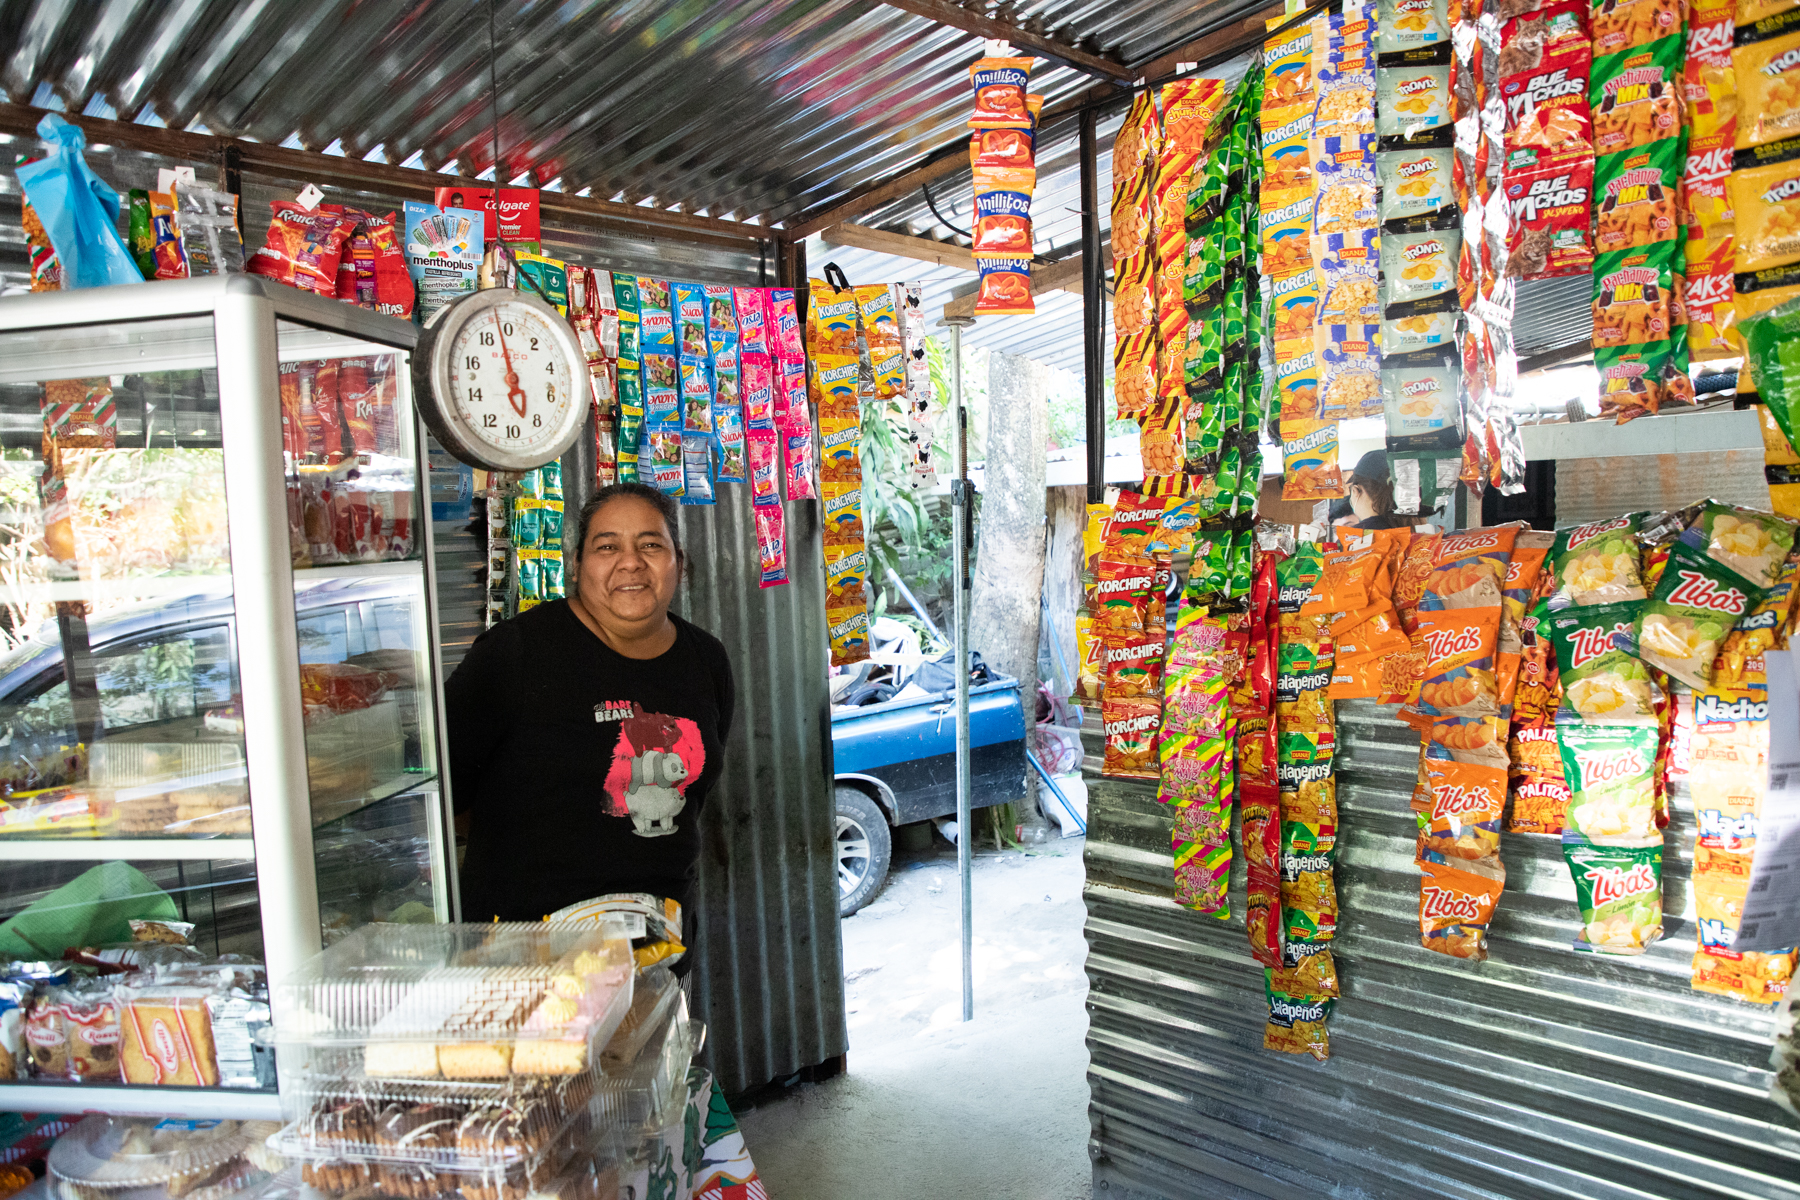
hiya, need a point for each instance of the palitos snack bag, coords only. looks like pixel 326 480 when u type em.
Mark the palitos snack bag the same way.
pixel 1619 892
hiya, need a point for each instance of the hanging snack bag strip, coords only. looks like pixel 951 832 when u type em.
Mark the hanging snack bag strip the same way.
pixel 1550 197
pixel 1297 1025
pixel 303 246
pixel 1544 64
pixel 771 543
pixel 1467 802
pixel 631 382
pixel 1768 89
pixel 1000 85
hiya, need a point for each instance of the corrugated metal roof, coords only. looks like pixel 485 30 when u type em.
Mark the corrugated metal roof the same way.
pixel 1539 1073
pixel 752 108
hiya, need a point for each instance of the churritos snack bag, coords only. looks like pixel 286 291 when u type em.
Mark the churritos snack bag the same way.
pixel 1609 771
pixel 1598 563
pixel 1456 904
pixel 1683 625
pixel 1619 892
pixel 1601 680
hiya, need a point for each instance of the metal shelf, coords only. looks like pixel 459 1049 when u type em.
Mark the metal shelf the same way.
pixel 51 591
pixel 111 848
pixel 386 569
pixel 197 1103
pixel 1678 433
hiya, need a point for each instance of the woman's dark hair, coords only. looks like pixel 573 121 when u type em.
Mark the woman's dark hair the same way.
pixel 663 503
pixel 1379 491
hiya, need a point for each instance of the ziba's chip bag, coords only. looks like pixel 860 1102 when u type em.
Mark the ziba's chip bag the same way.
pixel 1619 892
pixel 1601 680
pixel 1467 802
pixel 1696 604
pixel 1456 904
pixel 1598 563
pixel 1609 770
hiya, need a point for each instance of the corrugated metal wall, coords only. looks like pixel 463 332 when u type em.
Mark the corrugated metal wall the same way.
pixel 769 974
pixel 1539 1073
pixel 1592 489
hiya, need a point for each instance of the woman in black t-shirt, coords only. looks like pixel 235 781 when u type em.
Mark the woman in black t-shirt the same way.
pixel 586 733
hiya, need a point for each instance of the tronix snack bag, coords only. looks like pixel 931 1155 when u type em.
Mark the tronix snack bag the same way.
pixel 1768 77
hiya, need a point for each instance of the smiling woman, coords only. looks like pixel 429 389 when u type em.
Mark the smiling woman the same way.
pixel 586 733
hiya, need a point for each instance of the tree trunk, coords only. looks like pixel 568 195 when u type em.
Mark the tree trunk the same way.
pixel 1062 581
pixel 1009 570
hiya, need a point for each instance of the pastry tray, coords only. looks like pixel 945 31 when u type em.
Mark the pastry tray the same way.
pixel 462 1001
pixel 108 1152
pixel 544 1177
pixel 630 1094
pixel 454 1125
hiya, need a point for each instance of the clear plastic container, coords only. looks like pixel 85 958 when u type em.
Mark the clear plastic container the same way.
pixel 646 1064
pixel 348 753
pixel 111 1155
pixel 578 1170
pixel 467 1003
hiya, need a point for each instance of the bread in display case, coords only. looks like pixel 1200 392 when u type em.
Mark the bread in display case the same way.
pixel 219 672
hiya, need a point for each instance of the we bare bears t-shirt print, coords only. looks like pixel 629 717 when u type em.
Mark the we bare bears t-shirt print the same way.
pixel 654 760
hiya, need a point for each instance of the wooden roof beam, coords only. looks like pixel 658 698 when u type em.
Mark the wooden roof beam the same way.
pixel 944 12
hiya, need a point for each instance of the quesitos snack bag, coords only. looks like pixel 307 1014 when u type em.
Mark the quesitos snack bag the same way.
pixel 1601 681
pixel 1456 904
pixel 1619 892
pixel 1597 563
pixel 1609 770
pixel 1681 628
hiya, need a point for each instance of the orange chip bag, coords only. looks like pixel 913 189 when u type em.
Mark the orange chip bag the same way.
pixel 1470 739
pixel 1747 975
pixel 1469 569
pixel 1459 661
pixel 1409 581
pixel 1456 905
pixel 1467 802
pixel 1131 727
pixel 1005 288
pixel 1000 93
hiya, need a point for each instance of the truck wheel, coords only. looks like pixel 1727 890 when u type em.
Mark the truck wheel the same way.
pixel 864 848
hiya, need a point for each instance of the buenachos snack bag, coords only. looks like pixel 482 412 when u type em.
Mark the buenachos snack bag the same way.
pixel 1550 197
pixel 1610 773
pixel 1601 681
pixel 1597 563
pixel 1619 892
pixel 1752 544
pixel 1683 625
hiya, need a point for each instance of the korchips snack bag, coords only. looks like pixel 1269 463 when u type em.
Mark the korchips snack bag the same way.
pixel 1131 731
pixel 1752 544
pixel 1619 892
pixel 1309 450
pixel 1683 625
pixel 1597 563
pixel 1636 94
pixel 1601 681
pixel 1768 85
pixel 1610 773
pixel 1456 904
pixel 1134 666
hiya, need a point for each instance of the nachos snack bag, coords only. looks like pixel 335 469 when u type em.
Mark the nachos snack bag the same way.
pixel 1752 544
pixel 1456 904
pixel 1467 802
pixel 1610 773
pixel 1683 625
pixel 1619 892
pixel 1636 94
pixel 1131 731
pixel 1601 681
pixel 1597 563
pixel 1549 196
pixel 1768 87
pixel 1297 1026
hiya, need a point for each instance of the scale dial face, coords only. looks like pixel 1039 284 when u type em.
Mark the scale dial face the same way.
pixel 508 384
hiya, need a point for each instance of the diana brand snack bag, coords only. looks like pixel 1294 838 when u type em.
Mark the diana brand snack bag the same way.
pixel 1297 1026
pixel 1349 266
pixel 1619 892
pixel 1687 618
pixel 1711 298
pixel 1412 100
pixel 1601 681
pixel 1351 360
pixel 1610 774
pixel 1634 295
pixel 1307 971
pixel 1765 202
pixel 1131 731
pixel 1309 460
pixel 1752 544
pixel 1469 569
pixel 1636 94
pixel 831 324
pixel 1622 24
pixel 1637 196
pixel 1768 88
pixel 1597 563
pixel 1456 904
pixel 1344 184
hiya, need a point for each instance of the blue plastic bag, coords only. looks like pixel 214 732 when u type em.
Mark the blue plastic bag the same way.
pixel 80 211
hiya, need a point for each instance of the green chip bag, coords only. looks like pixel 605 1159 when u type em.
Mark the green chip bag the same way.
pixel 1619 892
pixel 1601 681
pixel 1210 574
pixel 1749 543
pixel 1610 771
pixel 1598 563
pixel 1772 353
pixel 1204 368
pixel 1225 482
pixel 1696 604
pixel 1235 315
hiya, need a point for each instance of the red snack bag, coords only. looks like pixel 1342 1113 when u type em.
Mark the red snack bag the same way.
pixel 763 448
pixel 1545 60
pixel 293 427
pixel 303 247
pixel 1467 802
pixel 394 292
pixel 1550 197
pixel 357 393
pixel 1005 288
pixel 319 410
pixel 1134 666
pixel 1459 661
pixel 1131 727
pixel 1456 905
pixel 771 543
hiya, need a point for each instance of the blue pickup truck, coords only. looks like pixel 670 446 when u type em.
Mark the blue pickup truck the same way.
pixel 895 763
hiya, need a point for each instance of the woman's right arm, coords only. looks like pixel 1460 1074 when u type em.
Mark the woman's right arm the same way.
pixel 477 709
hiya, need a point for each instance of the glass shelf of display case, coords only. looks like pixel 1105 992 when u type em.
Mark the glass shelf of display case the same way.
pixel 104 848
pixel 198 1104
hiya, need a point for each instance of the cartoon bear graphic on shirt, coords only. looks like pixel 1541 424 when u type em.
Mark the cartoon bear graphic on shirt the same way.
pixel 656 758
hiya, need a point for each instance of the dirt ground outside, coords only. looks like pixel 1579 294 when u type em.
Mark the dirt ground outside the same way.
pixel 931 1106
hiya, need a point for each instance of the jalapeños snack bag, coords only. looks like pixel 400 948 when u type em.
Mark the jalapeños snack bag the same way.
pixel 1601 681
pixel 1619 892
pixel 1297 1025
pixel 1610 771
pixel 1597 563
pixel 1689 615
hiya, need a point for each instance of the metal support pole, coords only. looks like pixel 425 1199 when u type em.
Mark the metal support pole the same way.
pixel 1093 308
pixel 961 536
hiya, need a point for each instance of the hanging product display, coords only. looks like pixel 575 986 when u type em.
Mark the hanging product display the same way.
pixel 1002 155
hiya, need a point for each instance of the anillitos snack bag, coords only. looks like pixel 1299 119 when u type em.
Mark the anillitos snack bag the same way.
pixel 1619 892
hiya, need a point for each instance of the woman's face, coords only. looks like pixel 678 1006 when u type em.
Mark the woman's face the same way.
pixel 628 565
pixel 1361 503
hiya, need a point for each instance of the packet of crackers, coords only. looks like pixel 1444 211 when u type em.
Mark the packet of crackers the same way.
pixel 1618 890
pixel 1684 624
pixel 1457 902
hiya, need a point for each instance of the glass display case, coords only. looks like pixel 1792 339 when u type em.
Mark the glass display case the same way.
pixel 220 700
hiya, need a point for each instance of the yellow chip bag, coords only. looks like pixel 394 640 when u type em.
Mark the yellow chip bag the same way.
pixel 1765 202
pixel 1766 60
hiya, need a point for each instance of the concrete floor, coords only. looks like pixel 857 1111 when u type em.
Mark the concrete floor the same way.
pixel 932 1107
